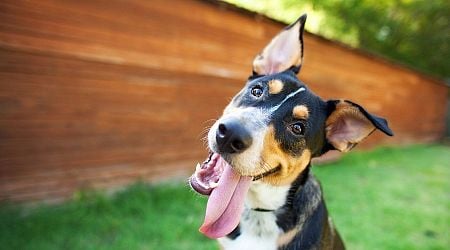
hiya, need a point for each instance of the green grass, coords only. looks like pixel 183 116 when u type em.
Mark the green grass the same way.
pixel 390 198
pixel 141 217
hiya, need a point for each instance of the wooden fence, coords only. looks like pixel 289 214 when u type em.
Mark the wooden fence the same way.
pixel 98 94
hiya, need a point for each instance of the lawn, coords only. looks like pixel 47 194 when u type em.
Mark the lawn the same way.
pixel 389 198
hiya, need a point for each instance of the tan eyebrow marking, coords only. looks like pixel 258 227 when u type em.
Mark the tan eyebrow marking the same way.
pixel 275 86
pixel 300 112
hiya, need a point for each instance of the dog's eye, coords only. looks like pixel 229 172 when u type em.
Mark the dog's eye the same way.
pixel 257 91
pixel 298 128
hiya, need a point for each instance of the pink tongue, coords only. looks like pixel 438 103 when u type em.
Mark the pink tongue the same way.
pixel 226 203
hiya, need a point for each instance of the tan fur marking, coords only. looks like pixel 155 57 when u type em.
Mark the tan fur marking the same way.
pixel 300 112
pixel 345 110
pixel 275 86
pixel 287 237
pixel 274 156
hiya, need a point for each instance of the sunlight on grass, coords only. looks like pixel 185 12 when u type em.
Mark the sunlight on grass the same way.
pixel 390 198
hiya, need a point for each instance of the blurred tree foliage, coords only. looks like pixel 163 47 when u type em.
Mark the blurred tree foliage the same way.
pixel 413 32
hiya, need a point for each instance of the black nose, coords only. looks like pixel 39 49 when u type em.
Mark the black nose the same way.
pixel 232 137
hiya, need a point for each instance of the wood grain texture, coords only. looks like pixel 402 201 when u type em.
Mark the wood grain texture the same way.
pixel 98 94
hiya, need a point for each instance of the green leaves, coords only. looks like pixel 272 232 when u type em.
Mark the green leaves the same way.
pixel 412 32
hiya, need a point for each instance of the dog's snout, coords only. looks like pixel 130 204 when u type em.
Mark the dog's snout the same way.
pixel 232 136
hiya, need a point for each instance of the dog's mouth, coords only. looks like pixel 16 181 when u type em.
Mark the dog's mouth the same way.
pixel 206 176
pixel 226 189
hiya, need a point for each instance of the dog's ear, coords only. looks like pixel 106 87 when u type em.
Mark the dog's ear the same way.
pixel 283 52
pixel 348 124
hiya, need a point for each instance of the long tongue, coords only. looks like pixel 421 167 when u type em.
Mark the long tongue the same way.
pixel 226 203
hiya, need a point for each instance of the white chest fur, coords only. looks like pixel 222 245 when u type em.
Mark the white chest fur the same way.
pixel 262 195
pixel 258 229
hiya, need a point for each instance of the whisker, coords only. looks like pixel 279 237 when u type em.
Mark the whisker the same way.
pixel 266 167
pixel 204 132
pixel 210 121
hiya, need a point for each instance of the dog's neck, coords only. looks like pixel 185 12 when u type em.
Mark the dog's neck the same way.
pixel 265 197
pixel 281 208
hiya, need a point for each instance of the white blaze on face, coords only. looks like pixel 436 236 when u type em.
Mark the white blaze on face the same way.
pixel 275 108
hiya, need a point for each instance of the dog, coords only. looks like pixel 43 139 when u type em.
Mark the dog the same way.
pixel 262 194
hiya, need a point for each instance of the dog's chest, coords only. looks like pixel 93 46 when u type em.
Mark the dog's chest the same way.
pixel 259 230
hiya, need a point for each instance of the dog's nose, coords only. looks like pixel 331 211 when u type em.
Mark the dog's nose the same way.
pixel 232 137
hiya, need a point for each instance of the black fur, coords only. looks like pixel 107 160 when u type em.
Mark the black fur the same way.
pixel 287 216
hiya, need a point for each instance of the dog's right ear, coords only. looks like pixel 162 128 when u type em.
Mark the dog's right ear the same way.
pixel 283 52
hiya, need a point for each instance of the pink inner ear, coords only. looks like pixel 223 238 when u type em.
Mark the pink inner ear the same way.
pixel 273 67
pixel 348 130
pixel 283 52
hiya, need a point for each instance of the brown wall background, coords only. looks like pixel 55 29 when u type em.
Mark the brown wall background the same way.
pixel 97 94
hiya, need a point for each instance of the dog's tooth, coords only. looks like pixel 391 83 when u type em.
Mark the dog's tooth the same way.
pixel 213 184
pixel 198 167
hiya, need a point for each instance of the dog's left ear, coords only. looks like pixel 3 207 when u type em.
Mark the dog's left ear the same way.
pixel 283 52
pixel 348 124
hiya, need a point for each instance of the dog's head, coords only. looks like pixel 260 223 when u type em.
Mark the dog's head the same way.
pixel 274 126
